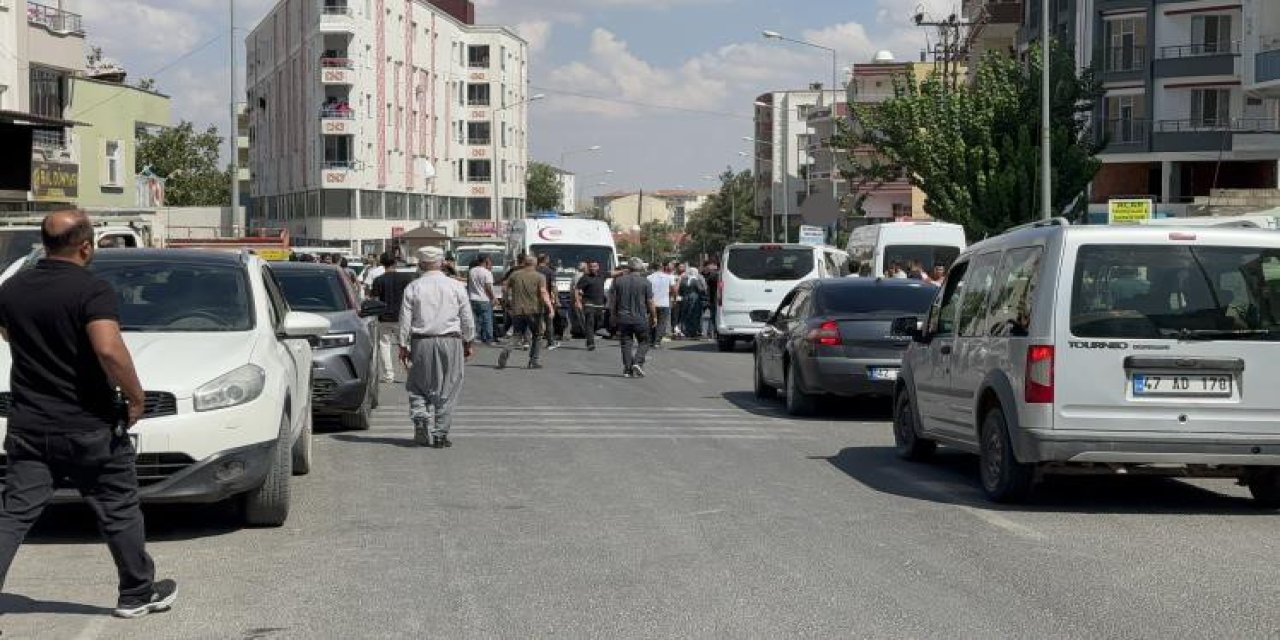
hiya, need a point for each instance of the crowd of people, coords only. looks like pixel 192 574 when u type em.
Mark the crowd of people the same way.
pixel 915 270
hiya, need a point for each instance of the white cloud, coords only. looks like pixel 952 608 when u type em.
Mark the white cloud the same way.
pixel 537 33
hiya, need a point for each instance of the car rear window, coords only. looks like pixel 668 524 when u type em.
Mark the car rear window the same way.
pixel 318 291
pixel 1200 292
pixel 770 263
pixel 927 255
pixel 890 301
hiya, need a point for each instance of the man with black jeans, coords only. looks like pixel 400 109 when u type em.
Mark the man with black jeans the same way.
pixel 63 328
pixel 558 320
pixel 635 315
pixel 589 300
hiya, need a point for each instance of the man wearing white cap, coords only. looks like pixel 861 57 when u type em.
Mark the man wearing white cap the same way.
pixel 436 334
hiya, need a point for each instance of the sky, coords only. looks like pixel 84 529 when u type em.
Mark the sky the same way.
pixel 680 76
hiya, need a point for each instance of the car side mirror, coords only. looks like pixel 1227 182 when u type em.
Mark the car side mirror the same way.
pixel 909 326
pixel 370 308
pixel 303 325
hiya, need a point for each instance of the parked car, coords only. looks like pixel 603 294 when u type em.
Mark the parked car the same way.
pixel 755 277
pixel 226 366
pixel 345 370
pixel 833 337
pixel 1138 350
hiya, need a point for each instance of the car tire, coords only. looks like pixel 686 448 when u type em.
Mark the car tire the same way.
pixel 302 450
pixel 1265 487
pixel 358 421
pixel 799 403
pixel 1004 479
pixel 725 343
pixel 762 388
pixel 906 432
pixel 268 505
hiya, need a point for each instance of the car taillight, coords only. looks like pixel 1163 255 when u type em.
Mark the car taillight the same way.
pixel 720 292
pixel 1039 387
pixel 827 334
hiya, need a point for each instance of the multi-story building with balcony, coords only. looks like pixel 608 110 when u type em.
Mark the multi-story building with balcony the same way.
pixel 992 27
pixel 1192 97
pixel 370 117
pixel 41 49
pixel 781 153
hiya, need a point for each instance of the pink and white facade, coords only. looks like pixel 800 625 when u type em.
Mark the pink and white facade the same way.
pixel 371 117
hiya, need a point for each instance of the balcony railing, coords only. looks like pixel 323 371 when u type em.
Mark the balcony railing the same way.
pixel 478 102
pixel 337 113
pixel 1237 125
pixel 337 165
pixel 1198 50
pixel 336 62
pixel 478 63
pixel 1121 59
pixel 1269 42
pixel 54 19
pixel 335 8
pixel 480 141
pixel 479 177
pixel 1127 130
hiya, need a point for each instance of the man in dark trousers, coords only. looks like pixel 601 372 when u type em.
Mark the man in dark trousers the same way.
pixel 559 321
pixel 389 289
pixel 635 315
pixel 591 302
pixel 530 307
pixel 63 328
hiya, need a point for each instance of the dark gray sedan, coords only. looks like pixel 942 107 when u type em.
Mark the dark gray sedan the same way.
pixel 345 363
pixel 835 337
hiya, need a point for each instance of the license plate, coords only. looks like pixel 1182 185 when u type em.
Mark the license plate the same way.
pixel 884 374
pixel 1196 385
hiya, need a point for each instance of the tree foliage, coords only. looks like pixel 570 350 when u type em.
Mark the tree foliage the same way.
pixel 543 187
pixel 974 149
pixel 190 161
pixel 653 243
pixel 728 216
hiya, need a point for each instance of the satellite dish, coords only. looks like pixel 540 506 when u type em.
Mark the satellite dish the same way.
pixel 424 168
pixel 883 56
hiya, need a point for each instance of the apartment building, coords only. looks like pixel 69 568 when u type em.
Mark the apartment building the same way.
pixel 368 117
pixel 992 27
pixel 41 49
pixel 781 153
pixel 626 210
pixel 1192 94
pixel 109 114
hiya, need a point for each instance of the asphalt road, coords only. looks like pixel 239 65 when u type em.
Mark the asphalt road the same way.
pixel 577 503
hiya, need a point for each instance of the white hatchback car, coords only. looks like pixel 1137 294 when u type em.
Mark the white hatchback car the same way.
pixel 227 371
pixel 1100 349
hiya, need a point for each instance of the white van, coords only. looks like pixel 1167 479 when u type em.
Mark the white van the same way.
pixel 755 277
pixel 20 244
pixel 1102 349
pixel 1252 221
pixel 873 249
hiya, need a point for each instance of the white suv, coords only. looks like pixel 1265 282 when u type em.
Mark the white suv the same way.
pixel 1102 349
pixel 227 371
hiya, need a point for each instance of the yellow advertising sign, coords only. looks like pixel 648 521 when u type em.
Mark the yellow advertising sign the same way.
pixel 273 255
pixel 1136 211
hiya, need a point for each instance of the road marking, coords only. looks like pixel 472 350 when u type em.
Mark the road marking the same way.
pixel 614 408
pixel 532 420
pixel 688 376
pixel 505 428
pixel 619 436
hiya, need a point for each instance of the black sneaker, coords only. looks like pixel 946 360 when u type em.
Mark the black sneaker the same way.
pixel 591 347
pixel 502 359
pixel 626 373
pixel 534 365
pixel 442 442
pixel 637 371
pixel 163 593
pixel 421 433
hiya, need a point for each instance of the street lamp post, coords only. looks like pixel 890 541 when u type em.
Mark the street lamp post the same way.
pixel 493 145
pixel 566 153
pixel 1046 128
pixel 835 64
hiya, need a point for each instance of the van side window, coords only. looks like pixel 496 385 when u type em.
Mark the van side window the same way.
pixel 976 286
pixel 1010 313
pixel 942 319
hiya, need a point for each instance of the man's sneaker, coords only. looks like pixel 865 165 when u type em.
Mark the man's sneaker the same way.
pixel 553 346
pixel 421 433
pixel 163 593
pixel 637 371
pixel 534 365
pixel 626 373
pixel 502 359
pixel 442 441
pixel 591 347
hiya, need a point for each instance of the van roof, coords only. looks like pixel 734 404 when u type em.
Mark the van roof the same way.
pixel 1138 233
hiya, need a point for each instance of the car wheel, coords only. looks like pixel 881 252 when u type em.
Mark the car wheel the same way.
pixel 302 449
pixel 763 390
pixel 906 437
pixel 268 505
pixel 799 403
pixel 1004 479
pixel 725 343
pixel 1265 487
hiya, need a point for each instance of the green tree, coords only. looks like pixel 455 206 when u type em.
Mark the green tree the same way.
pixel 190 160
pixel 654 242
pixel 974 149
pixel 543 187
pixel 728 216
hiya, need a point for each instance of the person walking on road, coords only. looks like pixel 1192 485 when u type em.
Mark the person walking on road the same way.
pixel 664 290
pixel 389 289
pixel 529 306
pixel 63 328
pixel 436 334
pixel 590 302
pixel 693 290
pixel 555 330
pixel 480 290
pixel 711 274
pixel 635 314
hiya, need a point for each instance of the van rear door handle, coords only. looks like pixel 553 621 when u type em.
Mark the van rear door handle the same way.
pixel 946 349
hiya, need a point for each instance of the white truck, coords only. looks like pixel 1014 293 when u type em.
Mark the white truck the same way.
pixel 20 243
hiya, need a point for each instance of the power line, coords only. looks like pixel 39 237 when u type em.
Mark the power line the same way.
pixel 637 103
pixel 120 92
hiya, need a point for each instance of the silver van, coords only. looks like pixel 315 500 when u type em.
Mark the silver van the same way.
pixel 1103 349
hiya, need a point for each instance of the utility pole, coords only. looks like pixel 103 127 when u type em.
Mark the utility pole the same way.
pixel 235 127
pixel 1046 127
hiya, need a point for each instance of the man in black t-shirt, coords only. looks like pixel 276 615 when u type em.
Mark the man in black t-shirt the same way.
pixel 63 328
pixel 589 300
pixel 389 288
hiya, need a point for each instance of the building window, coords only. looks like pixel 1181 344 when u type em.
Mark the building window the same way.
pixel 1210 108
pixel 479 171
pixel 479 133
pixel 113 155
pixel 1210 35
pixel 478 95
pixel 1126 123
pixel 1125 51
pixel 338 152
pixel 478 56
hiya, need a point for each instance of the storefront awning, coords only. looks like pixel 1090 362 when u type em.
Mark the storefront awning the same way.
pixel 22 118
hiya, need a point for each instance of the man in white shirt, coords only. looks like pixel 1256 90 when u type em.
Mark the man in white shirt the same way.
pixel 664 290
pixel 436 332
pixel 480 291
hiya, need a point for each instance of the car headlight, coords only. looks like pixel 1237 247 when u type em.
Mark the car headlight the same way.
pixel 334 341
pixel 238 387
